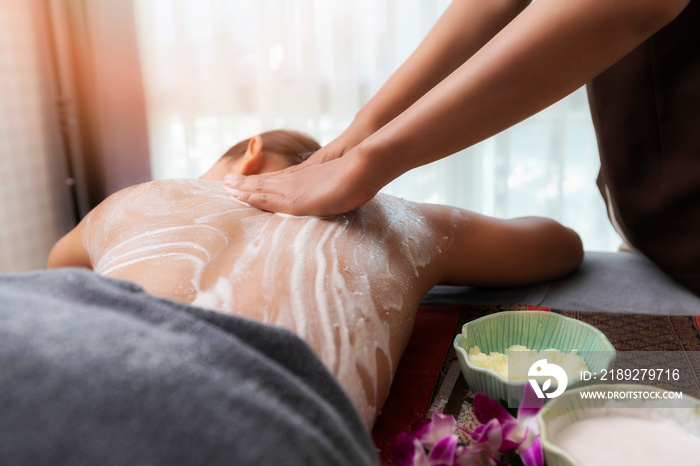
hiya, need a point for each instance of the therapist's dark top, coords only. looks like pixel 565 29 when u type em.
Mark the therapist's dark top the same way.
pixel 646 112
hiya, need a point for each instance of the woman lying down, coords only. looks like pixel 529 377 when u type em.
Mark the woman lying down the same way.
pixel 348 286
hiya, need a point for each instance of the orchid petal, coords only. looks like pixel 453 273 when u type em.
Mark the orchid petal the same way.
pixel 474 456
pixel 486 409
pixel 440 426
pixel 443 423
pixel 444 451
pixel 513 436
pixel 528 438
pixel 508 446
pixel 533 456
pixel 512 429
pixel 408 451
pixel 489 434
pixel 530 405
pixel 465 456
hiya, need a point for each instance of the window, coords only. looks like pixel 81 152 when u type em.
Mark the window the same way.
pixel 219 71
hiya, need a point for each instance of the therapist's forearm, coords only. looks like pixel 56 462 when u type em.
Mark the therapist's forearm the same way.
pixel 463 29
pixel 551 49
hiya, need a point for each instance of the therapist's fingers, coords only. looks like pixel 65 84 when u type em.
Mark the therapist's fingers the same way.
pixel 320 190
pixel 273 193
pixel 244 188
pixel 327 153
pixel 262 201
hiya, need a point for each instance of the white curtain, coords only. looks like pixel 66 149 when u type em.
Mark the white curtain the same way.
pixel 218 71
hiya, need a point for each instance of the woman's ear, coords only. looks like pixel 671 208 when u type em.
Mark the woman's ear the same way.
pixel 253 159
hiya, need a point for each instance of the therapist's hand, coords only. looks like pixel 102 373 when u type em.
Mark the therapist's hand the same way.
pixel 351 137
pixel 331 151
pixel 320 189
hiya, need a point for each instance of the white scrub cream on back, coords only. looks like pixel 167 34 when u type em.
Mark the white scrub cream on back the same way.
pixel 332 281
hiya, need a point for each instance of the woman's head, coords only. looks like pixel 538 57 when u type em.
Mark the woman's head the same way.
pixel 267 152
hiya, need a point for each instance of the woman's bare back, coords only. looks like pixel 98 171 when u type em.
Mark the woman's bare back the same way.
pixel 348 285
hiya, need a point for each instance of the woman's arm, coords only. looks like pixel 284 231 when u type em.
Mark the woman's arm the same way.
pixel 549 50
pixel 69 250
pixel 464 27
pixel 493 252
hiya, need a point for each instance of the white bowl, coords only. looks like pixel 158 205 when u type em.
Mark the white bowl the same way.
pixel 571 407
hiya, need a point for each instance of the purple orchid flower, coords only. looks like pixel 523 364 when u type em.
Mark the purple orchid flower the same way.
pixel 408 451
pixel 435 441
pixel 439 427
pixel 502 433
pixel 476 454
pixel 437 435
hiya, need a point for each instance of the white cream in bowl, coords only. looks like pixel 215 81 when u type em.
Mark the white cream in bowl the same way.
pixel 617 440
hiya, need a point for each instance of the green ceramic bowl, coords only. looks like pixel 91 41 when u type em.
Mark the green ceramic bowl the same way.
pixel 570 407
pixel 536 330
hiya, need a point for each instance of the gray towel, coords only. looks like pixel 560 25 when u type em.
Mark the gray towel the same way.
pixel 96 371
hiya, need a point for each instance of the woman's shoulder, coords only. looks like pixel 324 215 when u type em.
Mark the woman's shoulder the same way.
pixel 171 196
pixel 174 189
pixel 413 218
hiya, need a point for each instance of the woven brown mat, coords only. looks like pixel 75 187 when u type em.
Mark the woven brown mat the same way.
pixel 631 333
